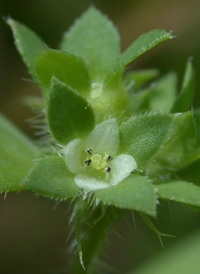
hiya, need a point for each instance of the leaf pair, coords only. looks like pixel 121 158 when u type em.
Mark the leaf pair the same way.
pixel 51 178
pixel 90 52
pixel 92 38
pixel 149 138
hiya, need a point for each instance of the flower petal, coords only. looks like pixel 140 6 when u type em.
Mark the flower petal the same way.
pixel 104 139
pixel 88 183
pixel 72 152
pixel 121 166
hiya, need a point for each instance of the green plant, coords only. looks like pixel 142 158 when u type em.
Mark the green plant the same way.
pixel 114 140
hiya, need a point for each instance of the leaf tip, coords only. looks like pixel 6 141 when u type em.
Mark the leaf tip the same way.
pixel 171 35
pixel 11 22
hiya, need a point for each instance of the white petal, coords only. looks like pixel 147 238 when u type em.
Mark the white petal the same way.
pixel 72 154
pixel 104 139
pixel 88 183
pixel 121 166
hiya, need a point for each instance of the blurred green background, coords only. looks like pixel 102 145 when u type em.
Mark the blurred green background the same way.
pixel 33 230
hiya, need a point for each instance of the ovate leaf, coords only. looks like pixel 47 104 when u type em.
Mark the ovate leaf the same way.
pixel 94 38
pixel 29 44
pixel 69 115
pixel 135 192
pixel 142 44
pixel 142 135
pixel 163 93
pixel 179 142
pixel 65 67
pixel 179 191
pixel 17 153
pixel 185 98
pixel 51 178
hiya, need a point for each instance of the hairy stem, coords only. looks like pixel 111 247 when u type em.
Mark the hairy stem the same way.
pixel 95 232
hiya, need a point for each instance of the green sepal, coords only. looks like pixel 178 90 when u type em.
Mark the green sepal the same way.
pixel 94 38
pixel 135 192
pixel 69 115
pixel 50 178
pixel 17 153
pixel 65 67
pixel 184 101
pixel 179 191
pixel 28 43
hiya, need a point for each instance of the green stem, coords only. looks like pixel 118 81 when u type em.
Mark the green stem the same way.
pixel 94 239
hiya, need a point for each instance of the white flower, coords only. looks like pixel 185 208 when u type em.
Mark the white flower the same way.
pixel 95 162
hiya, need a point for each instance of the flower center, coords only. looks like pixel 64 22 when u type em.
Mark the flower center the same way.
pixel 98 161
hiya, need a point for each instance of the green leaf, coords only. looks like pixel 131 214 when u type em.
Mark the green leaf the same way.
pixel 184 101
pixel 136 79
pixel 51 178
pixel 141 136
pixel 69 115
pixel 16 155
pixel 182 257
pixel 142 44
pixel 179 142
pixel 65 67
pixel 163 93
pixel 29 44
pixel 94 38
pixel 165 140
pixel 135 192
pixel 179 191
